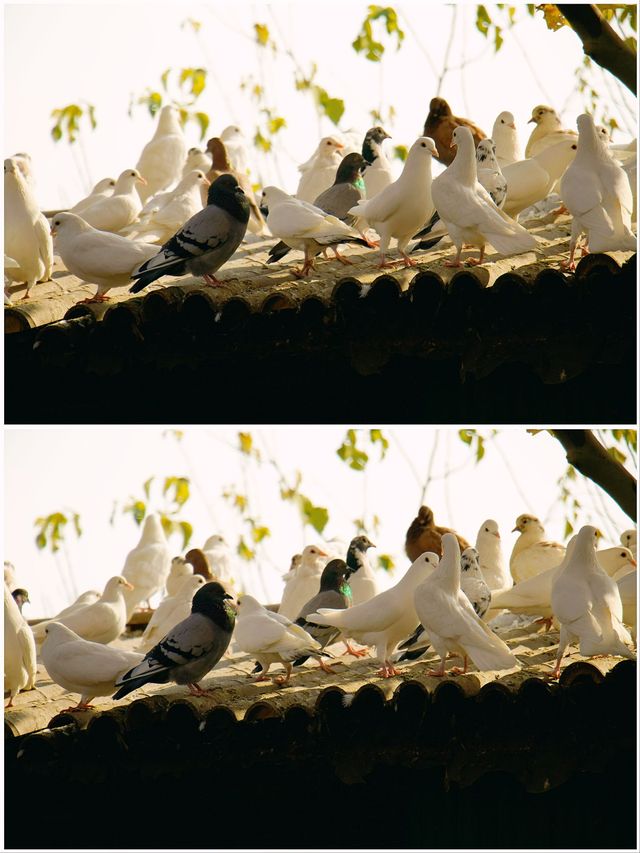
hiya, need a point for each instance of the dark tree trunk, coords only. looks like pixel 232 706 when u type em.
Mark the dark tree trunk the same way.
pixel 588 456
pixel 601 42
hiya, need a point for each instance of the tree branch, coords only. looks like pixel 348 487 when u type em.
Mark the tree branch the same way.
pixel 601 42
pixel 588 456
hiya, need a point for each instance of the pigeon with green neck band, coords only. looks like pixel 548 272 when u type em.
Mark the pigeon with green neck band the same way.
pixel 334 592
pixel 362 579
pixel 347 190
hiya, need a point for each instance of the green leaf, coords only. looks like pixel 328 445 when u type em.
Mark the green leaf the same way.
pixel 56 132
pixel 198 81
pixel 146 486
pixel 317 517
pixel 376 436
pixel 203 121
pixel 333 108
pixel 246 442
pixel 261 142
pixel 244 551
pixel 41 540
pixel 385 561
pixel 76 523
pixel 617 455
pixel 466 435
pixel 401 152
pixel 187 533
pixel 91 110
pixel 259 533
pixel 276 124
pixel 262 34
pixel 483 20
pixel 568 528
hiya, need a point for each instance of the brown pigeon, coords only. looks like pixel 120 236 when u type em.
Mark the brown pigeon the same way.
pixel 440 125
pixel 423 535
pixel 221 165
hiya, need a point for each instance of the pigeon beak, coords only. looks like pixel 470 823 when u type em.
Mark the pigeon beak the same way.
pixel 512 125
pixel 322 553
pixel 207 182
pixel 497 535
pixel 532 119
pixel 129 585
pixel 339 145
pixel 453 144
pixel 141 180
pixel 515 529
pixel 631 560
pixel 53 231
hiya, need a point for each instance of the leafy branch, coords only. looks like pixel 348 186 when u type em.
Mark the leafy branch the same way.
pixel 68 121
pixel 175 492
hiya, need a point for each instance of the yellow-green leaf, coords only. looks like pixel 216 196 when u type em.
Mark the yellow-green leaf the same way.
pixel 385 561
pixel 262 34
pixel 246 442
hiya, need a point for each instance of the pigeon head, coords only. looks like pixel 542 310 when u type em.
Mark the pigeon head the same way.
pixel 330 143
pixel 486 150
pixel 104 184
pixel 127 179
pixel 198 559
pixel 357 549
pixel 230 132
pixel 374 137
pixel 361 543
pixel 67 223
pixel 439 108
pixel 218 151
pixel 526 522
pixel 542 113
pixel 506 119
pixel 10 166
pixel 225 192
pixel 334 575
pixel 377 134
pixel 214 541
pixel 425 516
pixel 490 526
pixel 468 559
pixel 423 145
pixel 20 596
pixel 350 168
pixel 211 600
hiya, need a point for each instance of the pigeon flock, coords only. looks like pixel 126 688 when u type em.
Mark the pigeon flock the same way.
pixel 186 212
pixel 453 599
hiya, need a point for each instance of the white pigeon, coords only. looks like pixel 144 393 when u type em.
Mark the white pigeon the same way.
pixel 119 209
pixel 473 583
pixel 180 569
pixel 85 598
pixel 305 583
pixel 171 610
pixel 220 558
pixel 531 553
pixel 97 257
pixel 489 173
pixel 196 160
pixel 617 561
pixel 491 558
pixel 597 193
pixel 629 538
pixel 26 231
pixel 530 181
pixel 385 620
pixel 237 151
pixel 587 604
pixel 303 226
pixel 81 666
pixel 170 213
pixel 100 622
pixel 548 131
pixel 467 210
pixel 161 160
pixel 378 174
pixel 19 650
pixel 319 172
pixel 450 621
pixel 147 565
pixel 533 595
pixel 271 637
pixel 103 189
pixel 628 589
pixel 403 207
pixel 505 136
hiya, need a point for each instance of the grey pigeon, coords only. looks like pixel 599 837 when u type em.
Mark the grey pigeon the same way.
pixel 21 597
pixel 190 649
pixel 334 592
pixel 206 241
pixel 472 582
pixel 346 191
pixel 489 172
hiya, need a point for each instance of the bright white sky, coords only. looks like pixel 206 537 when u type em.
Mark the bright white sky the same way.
pixel 106 53
pixel 87 470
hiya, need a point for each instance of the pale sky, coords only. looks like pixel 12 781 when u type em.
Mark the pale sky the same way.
pixel 106 53
pixel 87 470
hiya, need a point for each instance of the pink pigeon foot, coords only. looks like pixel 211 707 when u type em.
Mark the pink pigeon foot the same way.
pixel 211 281
pixel 547 621
pixel 357 653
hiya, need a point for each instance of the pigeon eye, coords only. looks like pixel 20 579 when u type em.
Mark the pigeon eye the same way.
pixel 574 147
pixel 423 144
